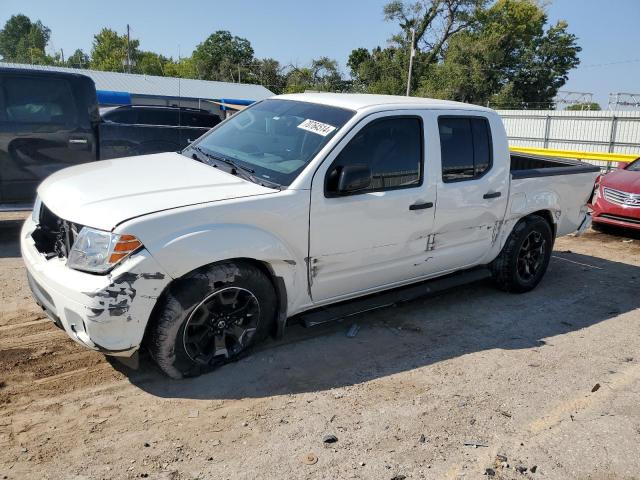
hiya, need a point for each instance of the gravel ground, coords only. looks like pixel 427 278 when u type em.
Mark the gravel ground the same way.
pixel 543 385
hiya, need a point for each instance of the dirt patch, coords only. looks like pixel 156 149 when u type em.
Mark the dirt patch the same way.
pixel 441 388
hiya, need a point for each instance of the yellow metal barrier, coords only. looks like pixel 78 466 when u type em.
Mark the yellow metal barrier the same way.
pixel 598 156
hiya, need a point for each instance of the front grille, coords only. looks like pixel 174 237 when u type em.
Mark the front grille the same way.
pixel 54 236
pixel 622 198
pixel 621 218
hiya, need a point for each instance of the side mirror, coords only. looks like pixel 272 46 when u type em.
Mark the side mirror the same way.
pixel 353 178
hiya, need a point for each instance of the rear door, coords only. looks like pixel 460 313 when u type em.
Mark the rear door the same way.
pixel 45 125
pixel 472 189
pixel 376 237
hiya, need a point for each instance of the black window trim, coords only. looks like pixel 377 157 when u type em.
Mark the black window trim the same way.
pixel 328 194
pixel 489 168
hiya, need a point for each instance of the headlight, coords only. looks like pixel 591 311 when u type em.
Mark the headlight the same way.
pixel 98 251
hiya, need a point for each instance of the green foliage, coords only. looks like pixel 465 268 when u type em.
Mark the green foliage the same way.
pixel 500 53
pixel 109 51
pixel 24 41
pixel 184 68
pixel 585 106
pixel 323 75
pixel 434 21
pixel 78 59
pixel 151 63
pixel 507 60
pixel 267 72
pixel 223 57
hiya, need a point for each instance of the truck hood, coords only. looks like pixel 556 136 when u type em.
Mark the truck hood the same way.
pixel 623 180
pixel 105 193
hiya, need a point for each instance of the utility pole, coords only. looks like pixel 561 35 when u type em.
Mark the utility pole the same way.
pixel 128 50
pixel 62 54
pixel 411 55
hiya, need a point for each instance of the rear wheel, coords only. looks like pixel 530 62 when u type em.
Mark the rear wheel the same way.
pixel 525 256
pixel 212 316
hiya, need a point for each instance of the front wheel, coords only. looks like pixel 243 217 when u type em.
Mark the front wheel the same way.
pixel 525 256
pixel 211 317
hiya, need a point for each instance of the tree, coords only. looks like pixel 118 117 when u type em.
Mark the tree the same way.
pixel 223 57
pixel 78 59
pixel 584 106
pixel 323 75
pixel 151 63
pixel 506 59
pixel 24 41
pixel 384 70
pixel 299 80
pixel 184 68
pixel 268 72
pixel 109 51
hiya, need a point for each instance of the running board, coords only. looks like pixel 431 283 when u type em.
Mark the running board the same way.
pixel 16 207
pixel 392 297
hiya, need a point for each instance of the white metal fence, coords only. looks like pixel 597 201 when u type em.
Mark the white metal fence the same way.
pixel 589 131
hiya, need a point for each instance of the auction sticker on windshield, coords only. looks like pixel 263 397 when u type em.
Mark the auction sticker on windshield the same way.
pixel 314 126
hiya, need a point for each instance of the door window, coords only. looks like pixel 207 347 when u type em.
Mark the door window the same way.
pixel 38 100
pixel 121 115
pixel 159 116
pixel 197 119
pixel 465 147
pixel 391 148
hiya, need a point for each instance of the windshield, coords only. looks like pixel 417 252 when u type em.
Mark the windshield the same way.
pixel 635 166
pixel 274 139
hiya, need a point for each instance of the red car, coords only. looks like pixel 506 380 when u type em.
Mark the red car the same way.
pixel 616 198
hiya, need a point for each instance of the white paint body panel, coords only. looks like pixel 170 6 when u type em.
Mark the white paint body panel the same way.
pixel 188 215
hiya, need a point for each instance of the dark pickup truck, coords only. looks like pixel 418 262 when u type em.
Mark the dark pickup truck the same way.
pixel 50 120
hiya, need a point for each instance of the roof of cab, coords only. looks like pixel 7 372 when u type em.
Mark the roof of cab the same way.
pixel 360 101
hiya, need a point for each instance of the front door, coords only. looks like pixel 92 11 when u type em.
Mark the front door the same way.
pixel 377 236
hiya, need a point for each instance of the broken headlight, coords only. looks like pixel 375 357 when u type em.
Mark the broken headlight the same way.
pixel 98 251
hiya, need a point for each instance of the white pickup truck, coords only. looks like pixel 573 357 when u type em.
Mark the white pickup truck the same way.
pixel 295 206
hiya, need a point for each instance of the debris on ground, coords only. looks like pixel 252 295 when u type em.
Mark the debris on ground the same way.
pixel 489 472
pixel 398 477
pixel 533 469
pixel 353 331
pixel 474 444
pixel 329 439
pixel 423 438
pixel 193 414
pixel 310 459
pixel 595 388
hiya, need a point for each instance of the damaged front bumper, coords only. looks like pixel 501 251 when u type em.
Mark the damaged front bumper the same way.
pixel 107 313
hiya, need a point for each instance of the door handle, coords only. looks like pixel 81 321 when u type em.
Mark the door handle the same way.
pixel 491 195
pixel 420 206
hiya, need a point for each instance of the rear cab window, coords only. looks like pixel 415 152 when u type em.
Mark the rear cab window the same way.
pixel 38 100
pixel 465 147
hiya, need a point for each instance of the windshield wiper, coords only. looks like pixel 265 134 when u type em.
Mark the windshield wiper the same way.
pixel 221 158
pixel 235 167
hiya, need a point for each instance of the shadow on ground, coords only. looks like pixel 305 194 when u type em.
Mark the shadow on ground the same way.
pixel 471 319
pixel 10 238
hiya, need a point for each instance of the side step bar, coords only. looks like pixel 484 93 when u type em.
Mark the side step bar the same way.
pixel 392 297
pixel 16 207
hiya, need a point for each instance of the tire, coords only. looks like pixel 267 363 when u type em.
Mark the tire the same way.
pixel 211 317
pixel 513 270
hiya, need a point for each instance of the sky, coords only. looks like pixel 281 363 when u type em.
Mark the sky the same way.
pixel 295 31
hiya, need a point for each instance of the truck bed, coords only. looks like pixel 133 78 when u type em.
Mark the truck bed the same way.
pixel 528 166
pixel 562 184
